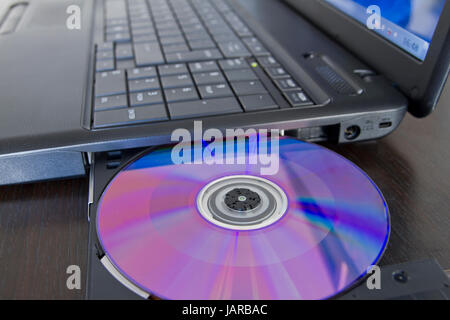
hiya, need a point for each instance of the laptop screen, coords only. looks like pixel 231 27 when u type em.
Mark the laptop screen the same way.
pixel 409 24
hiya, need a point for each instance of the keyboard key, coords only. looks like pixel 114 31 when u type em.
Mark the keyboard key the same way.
pixel 240 75
pixel 130 116
pixel 258 50
pixel 148 53
pixel 182 80
pixel 105 46
pixel 104 65
pixel 193 56
pixel 258 102
pixel 115 29
pixel 116 22
pixel 225 37
pixel 111 102
pixel 286 84
pixel 139 28
pixel 256 47
pixel 199 108
pixel 145 38
pixel 167 33
pixel 202 44
pixel 233 64
pixel 268 61
pixel 277 72
pixel 215 91
pixel 172 69
pixel 115 9
pixel 222 29
pixel 118 37
pixel 174 48
pixel 172 40
pixel 298 98
pixel 193 28
pixel 234 49
pixel 181 94
pixel 142 29
pixel 166 26
pixel 105 55
pixel 143 84
pixel 251 41
pixel 139 73
pixel 248 87
pixel 208 78
pixel 198 36
pixel 125 64
pixel 110 83
pixel 222 6
pixel 208 66
pixel 145 98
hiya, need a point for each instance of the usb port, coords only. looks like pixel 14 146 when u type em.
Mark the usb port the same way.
pixel 386 124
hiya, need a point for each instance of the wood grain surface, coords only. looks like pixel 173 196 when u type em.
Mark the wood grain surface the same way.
pixel 43 226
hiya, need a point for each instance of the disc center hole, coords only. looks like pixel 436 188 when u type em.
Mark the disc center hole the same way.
pixel 242 200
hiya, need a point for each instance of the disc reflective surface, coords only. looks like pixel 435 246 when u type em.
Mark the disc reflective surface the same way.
pixel 335 226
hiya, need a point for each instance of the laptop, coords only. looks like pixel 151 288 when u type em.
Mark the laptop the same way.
pixel 79 76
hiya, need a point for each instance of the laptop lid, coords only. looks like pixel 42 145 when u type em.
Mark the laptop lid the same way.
pixel 408 41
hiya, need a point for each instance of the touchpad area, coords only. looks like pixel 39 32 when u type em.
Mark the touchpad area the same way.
pixel 44 66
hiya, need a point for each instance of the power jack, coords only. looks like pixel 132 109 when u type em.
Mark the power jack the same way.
pixel 352 132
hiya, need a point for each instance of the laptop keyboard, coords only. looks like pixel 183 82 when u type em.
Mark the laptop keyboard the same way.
pixel 165 60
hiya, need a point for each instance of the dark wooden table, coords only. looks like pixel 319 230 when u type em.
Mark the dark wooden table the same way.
pixel 43 226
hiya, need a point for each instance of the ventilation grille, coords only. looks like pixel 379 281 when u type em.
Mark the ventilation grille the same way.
pixel 335 80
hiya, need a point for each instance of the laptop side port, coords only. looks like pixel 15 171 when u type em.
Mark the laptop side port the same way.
pixel 352 132
pixel 316 134
pixel 384 125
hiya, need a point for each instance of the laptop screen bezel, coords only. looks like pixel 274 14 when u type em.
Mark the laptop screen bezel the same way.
pixel 421 81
